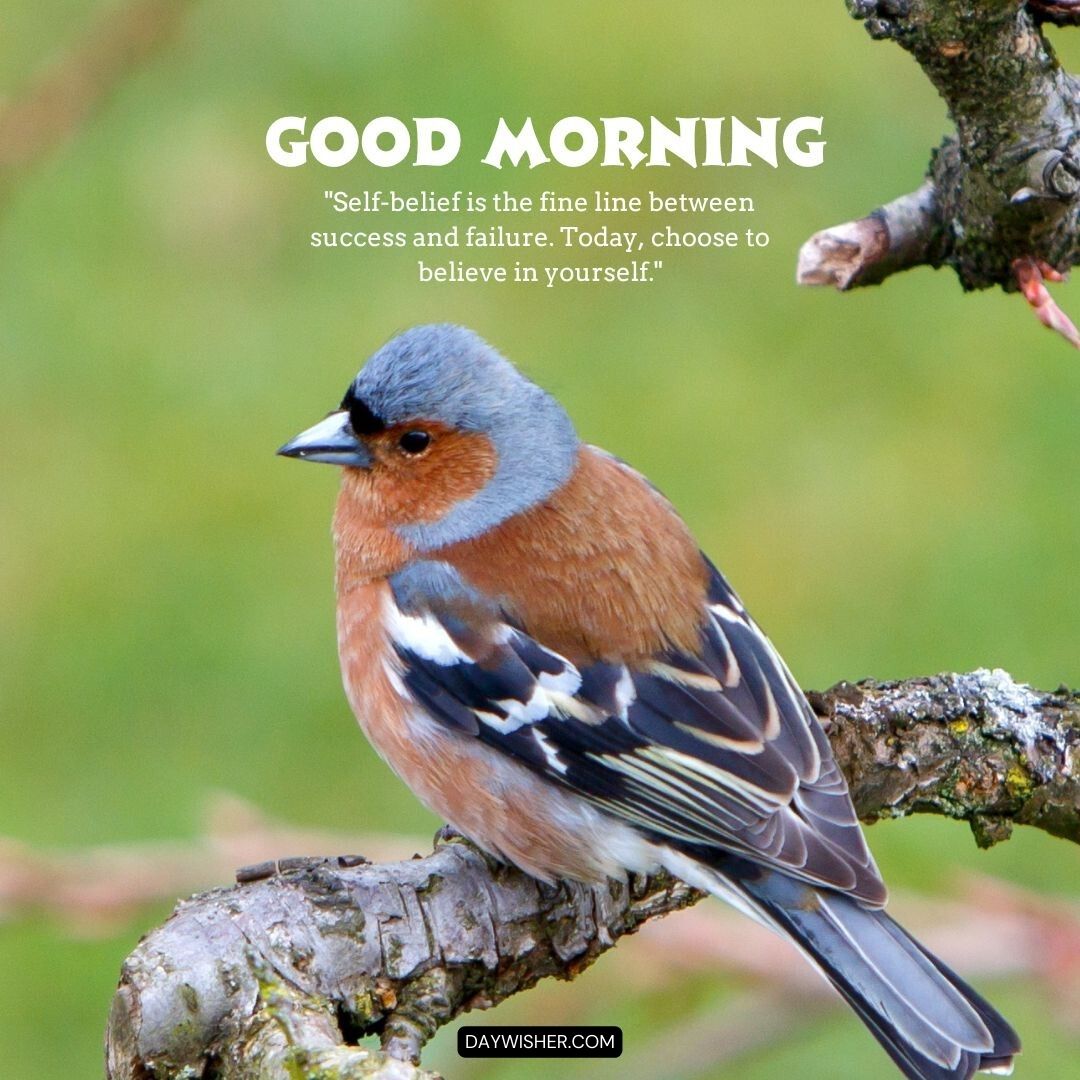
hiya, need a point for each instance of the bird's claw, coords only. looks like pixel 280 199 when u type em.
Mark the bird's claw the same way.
pixel 1032 275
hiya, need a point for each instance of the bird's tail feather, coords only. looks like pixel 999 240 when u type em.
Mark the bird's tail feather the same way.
pixel 932 1024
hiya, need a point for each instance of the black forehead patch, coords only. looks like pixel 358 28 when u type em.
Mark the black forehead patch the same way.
pixel 361 418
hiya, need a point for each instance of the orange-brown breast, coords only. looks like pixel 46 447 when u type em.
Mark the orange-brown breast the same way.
pixel 604 569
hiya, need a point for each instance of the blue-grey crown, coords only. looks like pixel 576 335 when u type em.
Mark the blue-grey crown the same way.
pixel 447 373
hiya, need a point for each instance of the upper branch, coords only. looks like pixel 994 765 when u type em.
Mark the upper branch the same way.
pixel 1004 187
pixel 278 976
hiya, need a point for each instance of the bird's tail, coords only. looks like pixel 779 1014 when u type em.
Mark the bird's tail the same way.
pixel 931 1023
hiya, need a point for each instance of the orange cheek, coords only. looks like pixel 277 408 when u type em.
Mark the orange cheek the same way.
pixel 423 488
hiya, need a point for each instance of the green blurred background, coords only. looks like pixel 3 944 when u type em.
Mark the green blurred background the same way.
pixel 889 477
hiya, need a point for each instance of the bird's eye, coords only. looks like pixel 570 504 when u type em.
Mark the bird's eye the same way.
pixel 414 442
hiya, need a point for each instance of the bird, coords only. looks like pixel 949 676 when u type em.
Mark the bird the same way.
pixel 531 638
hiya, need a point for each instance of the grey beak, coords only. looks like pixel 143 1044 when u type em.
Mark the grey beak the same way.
pixel 331 441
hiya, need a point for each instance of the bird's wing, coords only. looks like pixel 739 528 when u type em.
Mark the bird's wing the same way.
pixel 708 753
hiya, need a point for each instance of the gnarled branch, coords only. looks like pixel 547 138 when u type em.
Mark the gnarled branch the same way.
pixel 278 976
pixel 1001 195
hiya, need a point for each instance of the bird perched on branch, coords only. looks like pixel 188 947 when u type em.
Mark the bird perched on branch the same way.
pixel 532 640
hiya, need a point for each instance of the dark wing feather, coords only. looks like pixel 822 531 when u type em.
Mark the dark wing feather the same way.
pixel 708 753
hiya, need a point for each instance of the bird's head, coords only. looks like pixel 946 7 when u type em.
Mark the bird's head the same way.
pixel 446 435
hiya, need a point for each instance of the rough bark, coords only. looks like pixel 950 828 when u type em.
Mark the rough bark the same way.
pixel 279 975
pixel 979 747
pixel 1005 186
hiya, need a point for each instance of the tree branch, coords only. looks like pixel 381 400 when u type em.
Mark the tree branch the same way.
pixel 867 251
pixel 1005 187
pixel 279 975
pixel 978 747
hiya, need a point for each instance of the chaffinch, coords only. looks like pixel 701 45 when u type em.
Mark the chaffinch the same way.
pixel 534 643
